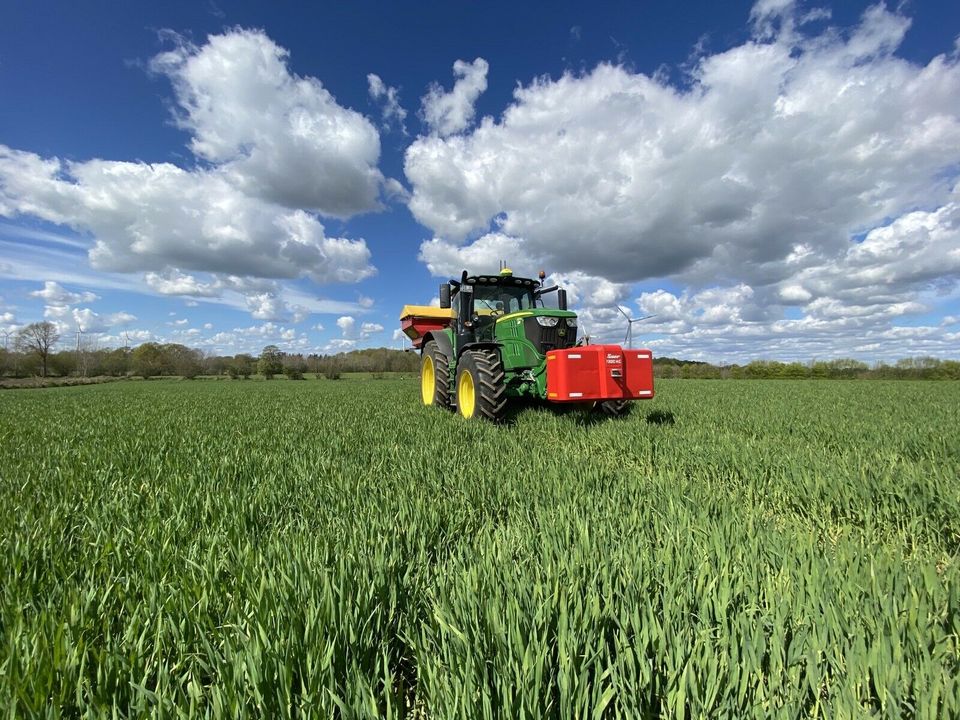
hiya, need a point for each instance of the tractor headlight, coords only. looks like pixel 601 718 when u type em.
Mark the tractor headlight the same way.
pixel 571 322
pixel 547 321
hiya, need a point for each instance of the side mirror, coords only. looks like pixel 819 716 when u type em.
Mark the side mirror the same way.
pixel 445 295
pixel 562 299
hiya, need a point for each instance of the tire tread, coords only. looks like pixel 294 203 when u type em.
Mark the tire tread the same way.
pixel 490 386
pixel 441 370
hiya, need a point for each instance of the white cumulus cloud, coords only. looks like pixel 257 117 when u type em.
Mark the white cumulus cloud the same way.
pixel 775 143
pixel 278 151
pixel 444 258
pixel 120 318
pixel 278 136
pixel 56 294
pixel 446 113
pixel 174 282
pixel 347 325
pixel 266 306
pixel 389 100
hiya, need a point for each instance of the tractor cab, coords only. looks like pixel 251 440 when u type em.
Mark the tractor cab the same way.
pixel 508 311
pixel 492 297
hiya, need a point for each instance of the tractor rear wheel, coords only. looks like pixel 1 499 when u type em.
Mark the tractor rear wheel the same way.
pixel 435 376
pixel 481 387
pixel 613 408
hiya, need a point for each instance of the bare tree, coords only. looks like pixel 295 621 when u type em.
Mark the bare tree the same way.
pixel 39 338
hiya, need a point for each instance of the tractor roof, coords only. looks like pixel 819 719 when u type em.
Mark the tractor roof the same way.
pixel 502 279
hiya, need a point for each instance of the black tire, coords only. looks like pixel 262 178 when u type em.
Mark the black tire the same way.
pixel 441 370
pixel 490 390
pixel 614 408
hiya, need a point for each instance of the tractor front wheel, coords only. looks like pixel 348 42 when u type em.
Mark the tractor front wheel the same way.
pixel 434 376
pixel 481 388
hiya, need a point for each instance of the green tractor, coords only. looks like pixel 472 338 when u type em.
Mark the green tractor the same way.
pixel 492 341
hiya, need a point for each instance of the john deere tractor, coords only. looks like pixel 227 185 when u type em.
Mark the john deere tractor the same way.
pixel 492 341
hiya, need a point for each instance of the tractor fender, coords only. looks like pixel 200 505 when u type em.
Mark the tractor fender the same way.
pixel 442 340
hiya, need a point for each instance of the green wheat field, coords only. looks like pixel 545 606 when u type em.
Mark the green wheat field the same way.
pixel 332 549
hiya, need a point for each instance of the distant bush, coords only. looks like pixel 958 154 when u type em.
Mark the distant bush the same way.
pixel 271 362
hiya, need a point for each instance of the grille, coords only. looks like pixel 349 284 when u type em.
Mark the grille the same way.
pixel 545 339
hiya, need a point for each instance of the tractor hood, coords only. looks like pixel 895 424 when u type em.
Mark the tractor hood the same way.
pixel 544 329
pixel 537 312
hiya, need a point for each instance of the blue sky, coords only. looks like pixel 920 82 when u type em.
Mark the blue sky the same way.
pixel 770 179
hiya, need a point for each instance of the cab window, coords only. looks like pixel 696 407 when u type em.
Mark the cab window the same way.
pixel 501 299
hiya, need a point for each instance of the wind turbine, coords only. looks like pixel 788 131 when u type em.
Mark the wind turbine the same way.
pixel 79 363
pixel 83 350
pixel 585 335
pixel 628 338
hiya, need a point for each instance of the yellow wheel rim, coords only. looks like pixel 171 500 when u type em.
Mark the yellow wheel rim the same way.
pixel 466 397
pixel 428 381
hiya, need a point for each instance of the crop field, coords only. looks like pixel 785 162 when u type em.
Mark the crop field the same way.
pixel 333 549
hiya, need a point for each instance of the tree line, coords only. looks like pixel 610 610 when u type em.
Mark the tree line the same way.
pixel 33 354
pixel 915 368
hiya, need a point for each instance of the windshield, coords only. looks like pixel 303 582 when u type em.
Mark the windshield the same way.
pixel 501 299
